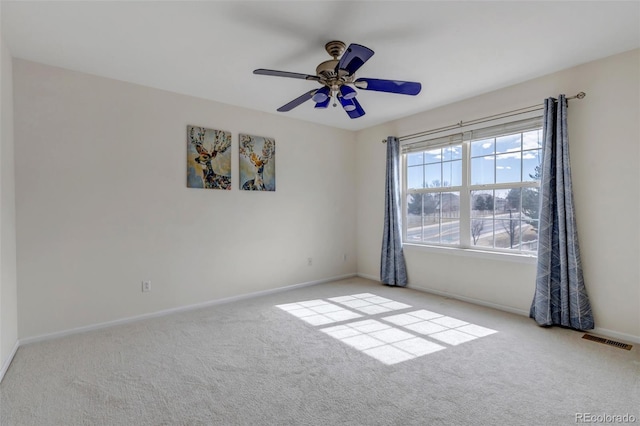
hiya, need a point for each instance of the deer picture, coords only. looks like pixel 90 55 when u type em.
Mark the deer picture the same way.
pixel 208 149
pixel 258 162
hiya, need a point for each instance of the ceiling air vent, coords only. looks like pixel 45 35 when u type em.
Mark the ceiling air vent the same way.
pixel 607 342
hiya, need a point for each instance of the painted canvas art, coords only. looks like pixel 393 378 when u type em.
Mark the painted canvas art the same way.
pixel 208 158
pixel 257 163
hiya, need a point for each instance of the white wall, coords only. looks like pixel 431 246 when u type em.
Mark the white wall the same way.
pixel 8 291
pixel 102 203
pixel 603 133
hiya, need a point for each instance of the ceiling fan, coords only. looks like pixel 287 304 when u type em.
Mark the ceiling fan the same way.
pixel 338 75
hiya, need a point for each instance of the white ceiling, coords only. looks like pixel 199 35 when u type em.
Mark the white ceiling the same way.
pixel 210 48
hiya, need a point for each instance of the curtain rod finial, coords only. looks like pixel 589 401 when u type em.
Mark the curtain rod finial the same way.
pixel 581 95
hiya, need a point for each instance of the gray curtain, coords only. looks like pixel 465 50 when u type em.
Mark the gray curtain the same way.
pixel 393 270
pixel 560 296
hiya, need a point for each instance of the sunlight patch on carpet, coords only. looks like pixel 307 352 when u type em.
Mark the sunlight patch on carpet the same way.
pixel 381 341
pixel 319 312
pixel 369 303
pixel 377 338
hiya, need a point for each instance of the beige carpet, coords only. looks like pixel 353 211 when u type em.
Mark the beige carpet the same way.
pixel 346 353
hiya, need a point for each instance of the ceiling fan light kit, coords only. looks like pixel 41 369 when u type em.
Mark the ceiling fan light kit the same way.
pixel 321 95
pixel 324 104
pixel 347 92
pixel 337 76
pixel 347 104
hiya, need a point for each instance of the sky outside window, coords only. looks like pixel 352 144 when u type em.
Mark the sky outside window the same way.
pixel 511 158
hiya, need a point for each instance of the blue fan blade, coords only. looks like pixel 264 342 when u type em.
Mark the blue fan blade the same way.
pixel 354 57
pixel 390 86
pixel 297 101
pixel 358 112
pixel 275 73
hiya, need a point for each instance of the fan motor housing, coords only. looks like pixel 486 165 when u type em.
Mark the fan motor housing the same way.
pixel 327 69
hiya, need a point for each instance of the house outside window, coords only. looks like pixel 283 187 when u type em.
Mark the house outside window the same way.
pixel 476 189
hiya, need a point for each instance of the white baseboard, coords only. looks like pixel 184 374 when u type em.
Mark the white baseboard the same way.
pixel 598 331
pixel 165 312
pixel 471 300
pixel 7 362
pixel 455 296
pixel 624 337
pixel 369 277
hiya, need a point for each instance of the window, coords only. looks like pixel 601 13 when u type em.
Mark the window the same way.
pixel 477 189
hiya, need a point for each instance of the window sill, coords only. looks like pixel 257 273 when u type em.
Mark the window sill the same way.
pixel 478 254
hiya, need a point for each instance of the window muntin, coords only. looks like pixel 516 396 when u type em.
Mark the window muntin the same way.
pixel 505 218
pixel 433 197
pixel 433 217
pixel 481 193
pixel 435 168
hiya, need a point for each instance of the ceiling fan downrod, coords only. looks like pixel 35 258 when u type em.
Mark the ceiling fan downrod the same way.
pixel 335 48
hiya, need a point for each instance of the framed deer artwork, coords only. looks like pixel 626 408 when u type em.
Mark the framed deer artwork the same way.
pixel 208 158
pixel 257 163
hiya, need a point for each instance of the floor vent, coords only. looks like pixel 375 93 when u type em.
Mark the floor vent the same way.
pixel 607 342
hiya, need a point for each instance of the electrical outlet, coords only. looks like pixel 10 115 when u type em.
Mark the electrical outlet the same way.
pixel 309 261
pixel 146 286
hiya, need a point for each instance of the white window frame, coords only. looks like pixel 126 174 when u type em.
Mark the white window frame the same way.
pixel 464 136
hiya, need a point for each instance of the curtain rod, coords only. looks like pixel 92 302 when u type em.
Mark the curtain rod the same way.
pixel 580 95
